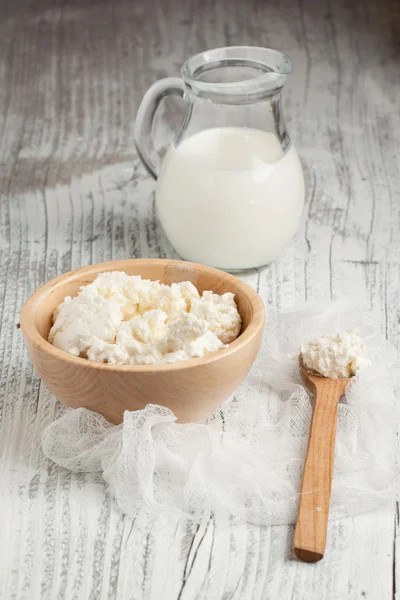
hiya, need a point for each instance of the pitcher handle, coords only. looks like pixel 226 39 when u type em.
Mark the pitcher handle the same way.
pixel 145 117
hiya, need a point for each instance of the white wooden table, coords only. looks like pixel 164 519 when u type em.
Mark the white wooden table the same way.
pixel 73 192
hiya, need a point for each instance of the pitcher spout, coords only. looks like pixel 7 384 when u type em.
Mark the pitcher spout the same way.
pixel 237 75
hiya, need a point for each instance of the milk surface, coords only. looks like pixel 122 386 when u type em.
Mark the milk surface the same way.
pixel 229 197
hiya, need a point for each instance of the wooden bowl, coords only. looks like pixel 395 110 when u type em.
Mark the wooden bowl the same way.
pixel 192 389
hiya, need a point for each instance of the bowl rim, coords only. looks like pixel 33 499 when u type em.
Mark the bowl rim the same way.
pixel 31 333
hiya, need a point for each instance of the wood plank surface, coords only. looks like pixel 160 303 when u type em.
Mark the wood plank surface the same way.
pixel 73 192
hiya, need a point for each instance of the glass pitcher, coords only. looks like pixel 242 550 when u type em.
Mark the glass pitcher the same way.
pixel 230 190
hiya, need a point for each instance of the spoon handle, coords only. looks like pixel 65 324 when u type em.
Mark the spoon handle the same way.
pixel 312 519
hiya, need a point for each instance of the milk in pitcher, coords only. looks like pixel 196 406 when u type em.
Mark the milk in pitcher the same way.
pixel 230 197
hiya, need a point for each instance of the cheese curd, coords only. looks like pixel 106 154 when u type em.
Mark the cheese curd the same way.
pixel 336 356
pixel 123 319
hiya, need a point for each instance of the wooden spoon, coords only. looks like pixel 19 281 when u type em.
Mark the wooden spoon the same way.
pixel 312 518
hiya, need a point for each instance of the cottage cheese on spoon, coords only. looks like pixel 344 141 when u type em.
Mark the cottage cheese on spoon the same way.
pixel 336 356
pixel 123 319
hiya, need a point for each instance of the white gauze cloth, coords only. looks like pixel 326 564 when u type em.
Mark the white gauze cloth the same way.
pixel 248 457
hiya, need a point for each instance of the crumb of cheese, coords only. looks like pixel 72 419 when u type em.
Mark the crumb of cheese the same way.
pixel 336 356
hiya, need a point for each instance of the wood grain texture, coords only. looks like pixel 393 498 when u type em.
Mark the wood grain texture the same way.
pixel 312 519
pixel 73 193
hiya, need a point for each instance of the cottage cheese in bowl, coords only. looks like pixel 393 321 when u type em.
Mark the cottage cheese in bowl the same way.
pixel 123 319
